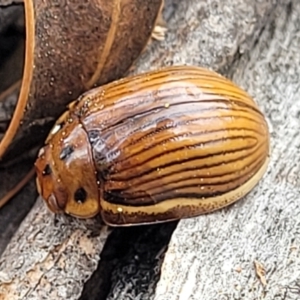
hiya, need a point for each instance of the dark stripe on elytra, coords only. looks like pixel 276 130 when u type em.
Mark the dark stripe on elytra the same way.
pixel 250 169
pixel 148 84
pixel 110 177
pixel 192 111
pixel 169 140
pixel 228 98
pixel 195 167
pixel 180 76
pixel 200 144
pixel 159 130
pixel 197 99
pixel 217 98
pixel 133 99
pixel 203 166
pixel 177 76
pixel 117 198
pixel 110 129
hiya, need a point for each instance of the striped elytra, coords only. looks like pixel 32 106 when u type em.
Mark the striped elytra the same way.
pixel 159 146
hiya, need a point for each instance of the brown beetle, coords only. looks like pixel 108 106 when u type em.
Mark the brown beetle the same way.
pixel 156 147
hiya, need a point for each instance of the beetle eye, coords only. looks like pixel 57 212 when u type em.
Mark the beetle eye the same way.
pixel 80 195
pixel 47 170
pixel 66 152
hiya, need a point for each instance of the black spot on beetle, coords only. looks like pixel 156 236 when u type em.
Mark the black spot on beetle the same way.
pixel 103 173
pixel 80 195
pixel 47 170
pixel 66 152
pixel 93 136
pixel 62 124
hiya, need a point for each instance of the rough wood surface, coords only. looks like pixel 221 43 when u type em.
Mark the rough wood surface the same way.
pixel 53 257
pixel 50 257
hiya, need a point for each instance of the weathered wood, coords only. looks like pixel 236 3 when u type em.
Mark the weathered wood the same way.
pixel 52 258
pixel 212 257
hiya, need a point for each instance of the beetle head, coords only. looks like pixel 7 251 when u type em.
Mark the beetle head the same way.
pixel 66 177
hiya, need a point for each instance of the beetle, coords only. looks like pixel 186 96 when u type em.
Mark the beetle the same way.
pixel 155 147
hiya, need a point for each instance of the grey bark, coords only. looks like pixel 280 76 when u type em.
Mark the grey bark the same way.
pixel 53 257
